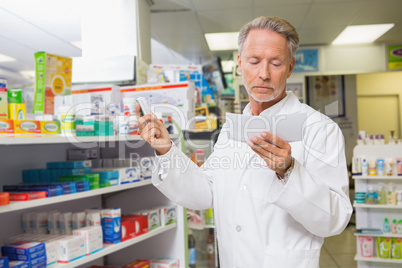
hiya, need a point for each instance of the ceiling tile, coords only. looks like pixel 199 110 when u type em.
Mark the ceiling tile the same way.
pixel 165 5
pixel 280 2
pixel 332 14
pixel 392 36
pixel 204 5
pixel 171 23
pixel 224 20
pixel 294 13
pixel 318 35
pixel 382 11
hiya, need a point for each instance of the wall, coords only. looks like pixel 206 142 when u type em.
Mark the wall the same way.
pixel 381 84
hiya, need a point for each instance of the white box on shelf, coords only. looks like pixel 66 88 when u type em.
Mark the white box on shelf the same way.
pixel 175 98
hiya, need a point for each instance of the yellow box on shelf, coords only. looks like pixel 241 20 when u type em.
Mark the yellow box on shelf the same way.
pixel 27 128
pixel 50 128
pixel 16 111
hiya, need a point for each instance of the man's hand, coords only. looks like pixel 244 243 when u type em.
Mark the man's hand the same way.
pixel 275 152
pixel 153 131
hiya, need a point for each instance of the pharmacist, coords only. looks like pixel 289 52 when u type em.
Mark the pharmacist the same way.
pixel 274 201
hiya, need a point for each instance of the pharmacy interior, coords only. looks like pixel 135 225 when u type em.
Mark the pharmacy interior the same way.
pixel 76 184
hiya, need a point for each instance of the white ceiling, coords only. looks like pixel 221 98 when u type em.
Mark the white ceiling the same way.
pixel 181 24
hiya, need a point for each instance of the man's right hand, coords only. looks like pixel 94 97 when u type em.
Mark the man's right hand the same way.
pixel 153 131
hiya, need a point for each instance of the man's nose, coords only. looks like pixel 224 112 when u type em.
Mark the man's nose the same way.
pixel 264 71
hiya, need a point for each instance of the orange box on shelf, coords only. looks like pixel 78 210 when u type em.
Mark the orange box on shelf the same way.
pixel 6 128
pixel 138 264
pixel 17 196
pixel 4 198
pixel 27 128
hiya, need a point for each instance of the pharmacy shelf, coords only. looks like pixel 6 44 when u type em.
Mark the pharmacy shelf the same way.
pixel 70 139
pixel 358 205
pixel 109 249
pixel 376 259
pixel 380 235
pixel 377 177
pixel 19 205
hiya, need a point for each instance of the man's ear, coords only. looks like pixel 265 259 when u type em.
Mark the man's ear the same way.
pixel 239 62
pixel 292 66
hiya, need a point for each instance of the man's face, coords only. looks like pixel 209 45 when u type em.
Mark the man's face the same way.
pixel 265 65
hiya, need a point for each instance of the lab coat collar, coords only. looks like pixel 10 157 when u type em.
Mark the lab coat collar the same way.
pixel 275 109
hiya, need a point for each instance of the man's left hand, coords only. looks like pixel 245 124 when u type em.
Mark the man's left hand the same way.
pixel 274 151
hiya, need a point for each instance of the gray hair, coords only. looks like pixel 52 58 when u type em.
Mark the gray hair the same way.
pixel 278 25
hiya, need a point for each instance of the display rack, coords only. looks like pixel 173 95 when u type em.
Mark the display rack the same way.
pixel 33 152
pixel 372 215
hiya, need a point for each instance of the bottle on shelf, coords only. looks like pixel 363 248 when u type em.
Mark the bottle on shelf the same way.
pixel 391 195
pixel 386 227
pixel 211 249
pixel 191 250
pixel 371 196
pixel 394 227
pixel 381 195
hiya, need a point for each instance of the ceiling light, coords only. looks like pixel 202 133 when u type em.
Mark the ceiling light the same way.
pixel 77 44
pixel 4 58
pixel 28 73
pixel 222 41
pixel 359 34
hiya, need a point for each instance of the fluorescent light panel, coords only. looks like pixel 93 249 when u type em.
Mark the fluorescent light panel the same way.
pixel 77 44
pixel 4 58
pixel 222 41
pixel 359 34
pixel 28 73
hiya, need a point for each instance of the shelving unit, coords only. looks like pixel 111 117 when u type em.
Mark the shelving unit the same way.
pixel 109 249
pixel 372 215
pixel 33 152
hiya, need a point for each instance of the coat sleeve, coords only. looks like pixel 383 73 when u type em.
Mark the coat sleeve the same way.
pixel 182 181
pixel 317 192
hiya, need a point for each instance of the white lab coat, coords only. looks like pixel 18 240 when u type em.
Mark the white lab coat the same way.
pixel 260 220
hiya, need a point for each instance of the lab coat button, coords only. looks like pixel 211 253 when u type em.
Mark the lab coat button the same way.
pixel 243 188
pixel 238 228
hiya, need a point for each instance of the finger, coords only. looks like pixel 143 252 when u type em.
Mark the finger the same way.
pixel 266 145
pixel 144 120
pixel 262 152
pixel 274 139
pixel 138 110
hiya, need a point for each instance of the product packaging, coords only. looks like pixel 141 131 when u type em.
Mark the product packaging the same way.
pixel 356 166
pixel 23 248
pixel 53 78
pixel 138 264
pixel 175 98
pixel 4 262
pixel 78 220
pixel 49 128
pixel 383 247
pixel 380 167
pixel 133 226
pixel 396 248
pixel 94 100
pixel 389 166
pixel 399 166
pixel 82 154
pixel 6 128
pixel 366 246
pixel 3 103
pixel 16 111
pixel 71 248
pixel 66 223
pixel 27 196
pixel 168 214
pixel 27 128
pixel 111 225
pixel 14 95
pixel 93 238
pixel 146 165
pixel 4 198
pixel 153 217
pixel 165 263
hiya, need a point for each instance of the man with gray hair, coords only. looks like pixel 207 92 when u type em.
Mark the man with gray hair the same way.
pixel 274 201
